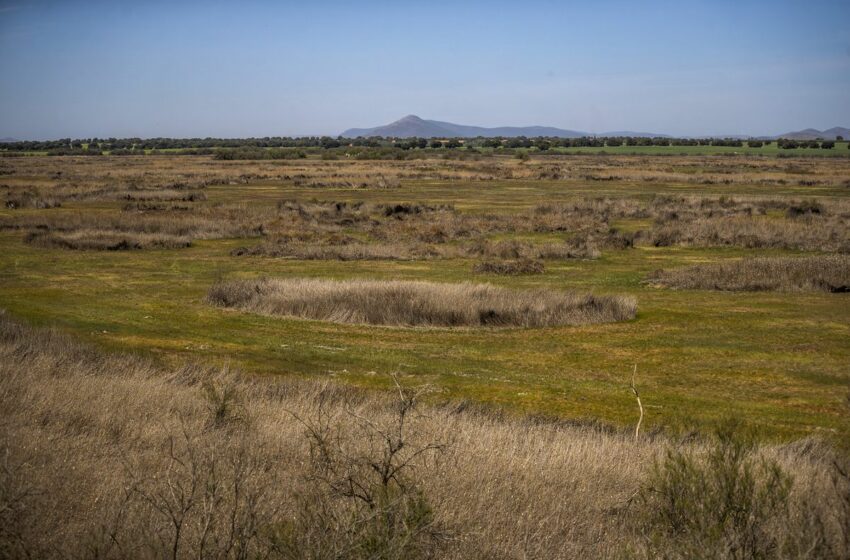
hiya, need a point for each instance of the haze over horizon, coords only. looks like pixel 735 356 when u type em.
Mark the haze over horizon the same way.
pixel 194 69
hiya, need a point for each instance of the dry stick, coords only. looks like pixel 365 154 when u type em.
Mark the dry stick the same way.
pixel 640 406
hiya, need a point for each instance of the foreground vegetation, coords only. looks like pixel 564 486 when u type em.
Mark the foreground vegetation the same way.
pixel 107 455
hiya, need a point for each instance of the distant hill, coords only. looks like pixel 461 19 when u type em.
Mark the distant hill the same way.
pixel 814 134
pixel 8 139
pixel 411 126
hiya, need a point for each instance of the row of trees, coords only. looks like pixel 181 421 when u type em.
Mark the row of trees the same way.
pixel 788 144
pixel 129 146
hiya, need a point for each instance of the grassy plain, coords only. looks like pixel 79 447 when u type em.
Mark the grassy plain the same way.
pixel 779 360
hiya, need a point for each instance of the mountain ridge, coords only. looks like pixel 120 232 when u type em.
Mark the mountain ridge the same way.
pixel 414 126
pixel 814 134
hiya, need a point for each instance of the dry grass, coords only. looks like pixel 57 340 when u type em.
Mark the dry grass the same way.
pixel 173 190
pixel 140 229
pixel 809 234
pixel 419 303
pixel 109 240
pixel 509 268
pixel 109 456
pixel 829 273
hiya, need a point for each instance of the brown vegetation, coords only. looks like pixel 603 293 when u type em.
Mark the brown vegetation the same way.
pixel 525 266
pixel 419 303
pixel 174 190
pixel 109 456
pixel 99 240
pixel 828 273
pixel 815 234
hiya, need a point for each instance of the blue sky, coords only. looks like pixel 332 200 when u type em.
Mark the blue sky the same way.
pixel 233 69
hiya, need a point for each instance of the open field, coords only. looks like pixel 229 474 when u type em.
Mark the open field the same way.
pixel 777 360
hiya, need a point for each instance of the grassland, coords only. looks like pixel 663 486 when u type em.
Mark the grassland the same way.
pixel 779 361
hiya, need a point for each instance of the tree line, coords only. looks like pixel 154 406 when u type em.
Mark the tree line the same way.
pixel 287 145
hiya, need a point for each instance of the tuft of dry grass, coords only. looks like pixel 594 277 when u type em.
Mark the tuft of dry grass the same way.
pixel 525 266
pixel 812 233
pixel 100 240
pixel 828 273
pixel 419 303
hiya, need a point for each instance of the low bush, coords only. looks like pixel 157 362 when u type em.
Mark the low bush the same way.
pixel 726 503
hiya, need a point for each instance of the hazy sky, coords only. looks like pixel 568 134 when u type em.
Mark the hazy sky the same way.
pixel 232 69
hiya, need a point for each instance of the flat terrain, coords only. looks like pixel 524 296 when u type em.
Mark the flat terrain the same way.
pixel 778 359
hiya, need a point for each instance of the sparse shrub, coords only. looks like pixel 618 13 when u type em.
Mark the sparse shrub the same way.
pixel 224 402
pixel 366 501
pixel 807 208
pixel 723 504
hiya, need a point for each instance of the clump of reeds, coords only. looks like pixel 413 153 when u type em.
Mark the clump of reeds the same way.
pixel 100 240
pixel 829 273
pixel 510 268
pixel 416 303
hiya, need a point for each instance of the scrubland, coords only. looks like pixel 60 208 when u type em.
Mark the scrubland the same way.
pixel 246 382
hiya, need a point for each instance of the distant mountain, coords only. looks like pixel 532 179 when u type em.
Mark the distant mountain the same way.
pixel 633 134
pixel 814 134
pixel 411 125
pixel 406 127
pixel 8 139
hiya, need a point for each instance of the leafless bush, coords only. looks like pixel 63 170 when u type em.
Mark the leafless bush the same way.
pixel 829 273
pixel 419 303
pixel 368 501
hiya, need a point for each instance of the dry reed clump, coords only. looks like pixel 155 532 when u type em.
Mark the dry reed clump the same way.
pixel 343 252
pixel 31 199
pixel 807 234
pixel 160 195
pixel 108 456
pixel 828 273
pixel 334 247
pixel 100 240
pixel 510 268
pixel 98 230
pixel 419 303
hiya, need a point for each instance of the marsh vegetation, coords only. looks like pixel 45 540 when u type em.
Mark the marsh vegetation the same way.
pixel 203 415
pixel 419 303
